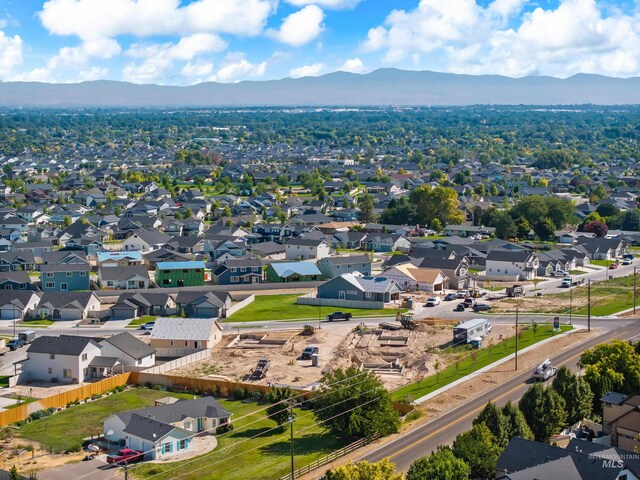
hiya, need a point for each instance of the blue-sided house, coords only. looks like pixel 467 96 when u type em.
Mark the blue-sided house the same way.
pixel 65 277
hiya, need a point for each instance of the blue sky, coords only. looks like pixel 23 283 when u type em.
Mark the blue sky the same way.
pixel 189 41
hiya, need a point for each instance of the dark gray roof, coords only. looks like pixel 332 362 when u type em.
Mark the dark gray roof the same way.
pixel 348 259
pixel 62 345
pixel 147 428
pixel 130 345
pixel 63 299
pixel 19 298
pixel 614 397
pixel 103 362
pixel 123 273
pixel 65 267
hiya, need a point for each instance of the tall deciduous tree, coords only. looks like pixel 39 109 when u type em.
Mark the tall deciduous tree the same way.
pixel 440 465
pixel 516 423
pixel 438 202
pixel 544 411
pixel 493 418
pixel 355 404
pixel 478 448
pixel 366 205
pixel 382 470
pixel 576 393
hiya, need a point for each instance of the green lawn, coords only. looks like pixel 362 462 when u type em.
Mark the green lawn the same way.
pixel 265 457
pixel 576 272
pixel 136 322
pixel 4 380
pixel 468 364
pixel 67 428
pixel 284 307
pixel 23 401
pixel 602 263
pixel 36 322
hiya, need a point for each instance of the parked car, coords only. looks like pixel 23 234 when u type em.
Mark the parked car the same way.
pixel 481 307
pixel 27 336
pixel 125 455
pixel 462 293
pixel 147 326
pixel 460 307
pixel 309 351
pixel 450 296
pixel 338 316
pixel 468 302
pixel 560 273
pixel 627 261
pixel 15 343
pixel 613 266
pixel 433 301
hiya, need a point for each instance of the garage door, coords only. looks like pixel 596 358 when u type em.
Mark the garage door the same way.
pixel 70 314
pixel 122 313
pixel 9 313
pixel 202 312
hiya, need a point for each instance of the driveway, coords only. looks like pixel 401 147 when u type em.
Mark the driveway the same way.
pixel 90 470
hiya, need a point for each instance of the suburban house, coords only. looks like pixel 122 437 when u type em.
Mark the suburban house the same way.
pixel 128 350
pixel 17 261
pixel 63 359
pixel 123 278
pixel 203 304
pixel 621 420
pixel 165 430
pixel 17 304
pixel 332 267
pixel 15 280
pixel 185 333
pixel 238 272
pixel 268 250
pixel 410 277
pixel 133 305
pixel 119 258
pixel 456 269
pixel 603 248
pixel 67 305
pixel 180 274
pixel 468 230
pixel 386 242
pixel 516 265
pixel 65 277
pixel 146 241
pixel 580 460
pixel 358 288
pixel 287 272
pixel 307 249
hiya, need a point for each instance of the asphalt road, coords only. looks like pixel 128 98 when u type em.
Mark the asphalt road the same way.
pixel 443 430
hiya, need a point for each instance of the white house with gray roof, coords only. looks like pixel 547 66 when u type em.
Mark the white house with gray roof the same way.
pixel 129 350
pixel 165 430
pixel 186 334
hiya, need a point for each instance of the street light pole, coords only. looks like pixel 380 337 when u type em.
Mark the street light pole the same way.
pixel 570 305
pixel 293 471
pixel 634 290
pixel 589 306
pixel 517 311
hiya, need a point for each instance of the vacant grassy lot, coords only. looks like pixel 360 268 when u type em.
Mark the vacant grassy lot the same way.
pixel 66 429
pixel 241 457
pixel 284 307
pixel 475 360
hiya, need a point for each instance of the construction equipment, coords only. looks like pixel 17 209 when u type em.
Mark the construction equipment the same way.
pixel 544 371
pixel 515 291
pixel 260 370
pixel 406 320
pixel 309 330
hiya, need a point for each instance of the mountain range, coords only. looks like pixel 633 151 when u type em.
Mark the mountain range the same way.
pixel 380 87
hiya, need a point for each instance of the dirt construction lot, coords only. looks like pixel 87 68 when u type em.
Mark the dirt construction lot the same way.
pixel 398 357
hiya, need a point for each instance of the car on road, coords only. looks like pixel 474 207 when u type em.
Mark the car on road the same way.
pixel 613 266
pixel 544 371
pixel 450 296
pixel 627 261
pixel 147 326
pixel 481 307
pixel 460 307
pixel 462 293
pixel 339 316
pixel 560 273
pixel 468 302
pixel 433 301
pixel 125 456
pixel 15 343
pixel 309 351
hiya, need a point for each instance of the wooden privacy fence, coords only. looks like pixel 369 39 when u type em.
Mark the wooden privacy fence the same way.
pixel 329 458
pixel 62 399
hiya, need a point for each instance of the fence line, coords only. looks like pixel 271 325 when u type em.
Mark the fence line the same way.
pixel 330 458
pixel 179 362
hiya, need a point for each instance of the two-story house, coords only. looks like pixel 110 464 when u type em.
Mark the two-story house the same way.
pixel 123 278
pixel 332 267
pixel 511 265
pixel 307 249
pixel 65 277
pixel 238 272
pixel 180 274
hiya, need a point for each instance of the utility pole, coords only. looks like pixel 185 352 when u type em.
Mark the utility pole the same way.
pixel 570 304
pixel 319 313
pixel 589 306
pixel 517 311
pixel 634 290
pixel 293 468
pixel 126 471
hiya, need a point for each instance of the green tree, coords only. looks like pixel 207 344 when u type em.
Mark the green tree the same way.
pixel 504 224
pixel 278 411
pixel 363 470
pixel 440 465
pixel 438 202
pixel 631 220
pixel 516 423
pixel 576 393
pixel 366 206
pixel 523 227
pixel 497 423
pixel 544 229
pixel 611 366
pixel 13 473
pixel 544 411
pixel 66 221
pixel 355 404
pixel 478 448
pixel 599 192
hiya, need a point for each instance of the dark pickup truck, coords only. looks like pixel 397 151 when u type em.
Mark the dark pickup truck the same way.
pixel 338 316
pixel 125 455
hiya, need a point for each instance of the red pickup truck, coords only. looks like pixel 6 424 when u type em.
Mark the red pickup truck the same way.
pixel 126 455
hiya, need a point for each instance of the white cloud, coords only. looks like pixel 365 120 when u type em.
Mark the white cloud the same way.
pixel 152 70
pixel 236 66
pixel 353 65
pixel 92 73
pixel 10 52
pixel 461 36
pixel 197 70
pixel 300 27
pixel 95 19
pixel 332 4
pixel 307 70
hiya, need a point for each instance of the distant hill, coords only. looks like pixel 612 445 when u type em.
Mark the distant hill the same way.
pixel 380 87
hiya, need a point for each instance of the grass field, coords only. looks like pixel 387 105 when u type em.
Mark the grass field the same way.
pixel 67 428
pixel 284 307
pixel 36 322
pixel 602 263
pixel 468 364
pixel 136 322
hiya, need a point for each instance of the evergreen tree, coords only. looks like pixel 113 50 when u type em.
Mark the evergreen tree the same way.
pixel 497 423
pixel 516 423
pixel 544 411
pixel 440 465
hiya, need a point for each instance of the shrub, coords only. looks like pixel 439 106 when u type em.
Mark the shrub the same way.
pixel 95 396
pixel 255 396
pixel 239 393
pixel 227 427
pixel 38 414
pixel 51 410
pixel 74 448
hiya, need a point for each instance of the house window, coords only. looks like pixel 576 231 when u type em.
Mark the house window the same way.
pixel 109 283
pixel 49 275
pixel 8 287
pixel 182 444
pixel 64 286
pixel 186 343
pixel 185 271
pixel 171 342
pixel 367 294
pixel 234 269
pixel 23 286
pixel 50 285
pixel 235 279
pixel 52 356
pixel 166 447
pixel 69 274
pixel 84 357
pixel 49 370
pixel 243 269
pixel 198 270
pixel 66 373
pixel 83 274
